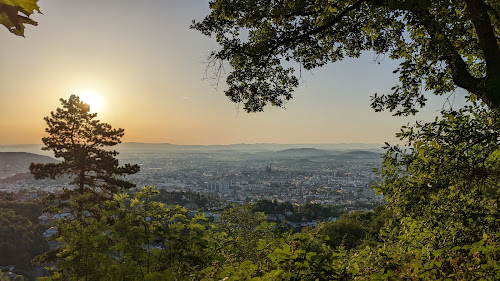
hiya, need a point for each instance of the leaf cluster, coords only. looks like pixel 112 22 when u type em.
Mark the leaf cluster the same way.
pixel 14 14
pixel 441 45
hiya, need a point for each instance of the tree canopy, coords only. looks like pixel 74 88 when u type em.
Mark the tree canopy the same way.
pixel 14 14
pixel 441 45
pixel 20 239
pixel 75 135
pixel 442 183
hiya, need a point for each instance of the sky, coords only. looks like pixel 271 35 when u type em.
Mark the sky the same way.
pixel 148 68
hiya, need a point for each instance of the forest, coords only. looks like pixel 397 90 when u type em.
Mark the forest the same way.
pixel 441 185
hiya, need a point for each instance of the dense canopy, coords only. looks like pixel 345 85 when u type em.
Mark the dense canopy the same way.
pixel 441 45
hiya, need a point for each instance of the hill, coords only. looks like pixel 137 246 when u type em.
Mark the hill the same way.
pixel 24 159
pixel 360 154
pixel 18 162
pixel 301 152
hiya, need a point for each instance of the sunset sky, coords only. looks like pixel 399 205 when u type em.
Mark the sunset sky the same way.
pixel 148 67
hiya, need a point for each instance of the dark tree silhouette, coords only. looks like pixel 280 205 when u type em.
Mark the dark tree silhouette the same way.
pixel 441 45
pixel 80 139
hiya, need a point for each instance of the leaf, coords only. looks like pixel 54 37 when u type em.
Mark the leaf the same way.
pixel 309 255
pixel 10 15
pixel 27 5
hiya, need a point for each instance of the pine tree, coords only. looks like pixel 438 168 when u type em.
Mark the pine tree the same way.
pixel 76 136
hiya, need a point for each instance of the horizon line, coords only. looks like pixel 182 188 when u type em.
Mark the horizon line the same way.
pixel 256 143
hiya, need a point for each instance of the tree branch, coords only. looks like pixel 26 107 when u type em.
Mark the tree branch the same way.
pixel 460 73
pixel 314 31
pixel 492 10
pixel 478 11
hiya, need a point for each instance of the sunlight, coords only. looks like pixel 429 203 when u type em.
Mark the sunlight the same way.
pixel 93 99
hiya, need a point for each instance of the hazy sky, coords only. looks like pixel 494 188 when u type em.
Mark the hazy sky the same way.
pixel 148 67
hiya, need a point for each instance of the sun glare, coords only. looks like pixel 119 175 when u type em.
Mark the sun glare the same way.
pixel 94 100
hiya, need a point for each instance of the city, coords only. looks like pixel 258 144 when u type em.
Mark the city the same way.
pixel 296 175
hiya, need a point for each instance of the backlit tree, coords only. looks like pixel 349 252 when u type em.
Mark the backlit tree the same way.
pixel 76 136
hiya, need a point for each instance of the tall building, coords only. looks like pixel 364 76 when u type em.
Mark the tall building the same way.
pixel 218 186
pixel 269 169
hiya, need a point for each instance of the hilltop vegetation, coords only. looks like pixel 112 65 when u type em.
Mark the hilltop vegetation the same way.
pixel 440 222
pixel 442 185
pixel 21 237
pixel 146 240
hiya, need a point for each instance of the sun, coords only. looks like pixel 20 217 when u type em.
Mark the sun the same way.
pixel 93 99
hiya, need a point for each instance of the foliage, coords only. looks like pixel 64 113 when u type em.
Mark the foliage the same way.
pixel 136 239
pixel 169 240
pixel 441 45
pixel 140 239
pixel 356 229
pixel 20 239
pixel 345 234
pixel 440 222
pixel 299 261
pixel 273 207
pixel 76 136
pixel 31 210
pixel 442 187
pixel 14 14
pixel 448 174
pixel 237 232
pixel 293 257
pixel 4 195
pixel 188 197
pixel 404 255
pixel 311 211
pixel 300 213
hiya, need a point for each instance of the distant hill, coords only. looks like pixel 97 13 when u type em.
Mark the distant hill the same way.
pixel 301 152
pixel 31 148
pixel 242 147
pixel 12 163
pixel 23 159
pixel 149 148
pixel 360 154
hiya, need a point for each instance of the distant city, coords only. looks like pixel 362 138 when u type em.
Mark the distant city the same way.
pixel 324 174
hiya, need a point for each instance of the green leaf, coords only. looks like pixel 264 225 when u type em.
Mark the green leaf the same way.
pixel 309 255
pixel 10 14
pixel 27 5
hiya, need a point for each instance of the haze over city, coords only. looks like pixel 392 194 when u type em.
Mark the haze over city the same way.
pixel 176 180
pixel 141 68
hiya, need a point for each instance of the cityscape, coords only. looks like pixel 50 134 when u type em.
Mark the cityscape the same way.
pixel 298 175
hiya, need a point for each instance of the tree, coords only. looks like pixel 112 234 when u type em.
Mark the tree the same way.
pixel 14 14
pixel 132 239
pixel 238 231
pixel 442 184
pixel 31 210
pixel 441 44
pixel 20 239
pixel 448 174
pixel 80 139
